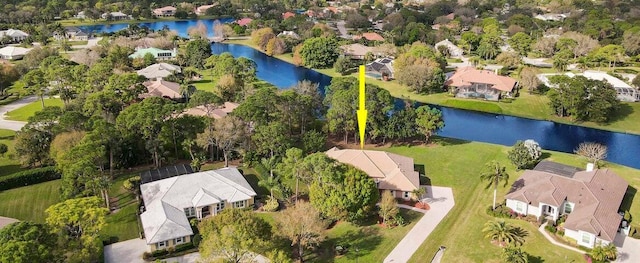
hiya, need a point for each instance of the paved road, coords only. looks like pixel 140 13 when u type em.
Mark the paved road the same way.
pixel 4 221
pixel 440 200
pixel 343 30
pixel 90 43
pixel 14 125
pixel 129 251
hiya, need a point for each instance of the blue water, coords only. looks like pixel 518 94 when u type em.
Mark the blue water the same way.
pixel 460 124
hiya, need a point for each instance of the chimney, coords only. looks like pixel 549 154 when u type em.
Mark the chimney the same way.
pixel 590 167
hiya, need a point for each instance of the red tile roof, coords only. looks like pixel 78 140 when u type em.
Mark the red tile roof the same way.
pixel 244 22
pixel 287 15
pixel 372 36
pixel 468 75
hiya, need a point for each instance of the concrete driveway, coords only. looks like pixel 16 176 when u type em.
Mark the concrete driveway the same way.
pixel 129 251
pixel 14 125
pixel 440 200
pixel 5 221
pixel 628 248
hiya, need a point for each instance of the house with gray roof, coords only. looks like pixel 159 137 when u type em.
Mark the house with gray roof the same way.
pixel 159 54
pixel 16 35
pixel 159 71
pixel 454 51
pixel 381 68
pixel 170 203
pixel 589 199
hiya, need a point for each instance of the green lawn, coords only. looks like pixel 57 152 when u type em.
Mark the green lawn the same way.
pixel 29 202
pixel 373 242
pixel 123 223
pixel 455 164
pixel 23 114
pixel 8 165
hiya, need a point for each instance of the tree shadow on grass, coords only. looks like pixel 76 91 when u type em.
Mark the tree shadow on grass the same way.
pixel 623 111
pixel 355 244
pixel 8 137
pixel 253 180
pixel 535 259
pixel 444 141
pixel 9 169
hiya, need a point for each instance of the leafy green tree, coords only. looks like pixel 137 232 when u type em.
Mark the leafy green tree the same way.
pixel 291 166
pixel 303 225
pixel 8 74
pixel 259 108
pixel 341 191
pixel 319 52
pixel 79 219
pixel 26 242
pixel 234 235
pixel 35 83
pixel 584 99
pixel 429 120
pixel 489 46
pixel 197 51
pixel 146 120
pixel 344 65
pixel 420 68
pixel 503 232
pixel 631 41
pixel 271 140
pixel 313 141
pixel 604 253
pixel 3 149
pixel 509 59
pixel 521 42
pixel 513 254
pixel 494 173
pixel 388 207
pixel 522 157
pixel 271 183
pixel 610 53
pixel 402 124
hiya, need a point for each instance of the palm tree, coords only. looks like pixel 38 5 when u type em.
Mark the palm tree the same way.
pixel 503 232
pixel 271 183
pixel 186 90
pixel 494 173
pixel 418 192
pixel 604 253
pixel 511 254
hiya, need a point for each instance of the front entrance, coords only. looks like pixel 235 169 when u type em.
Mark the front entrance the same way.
pixel 205 211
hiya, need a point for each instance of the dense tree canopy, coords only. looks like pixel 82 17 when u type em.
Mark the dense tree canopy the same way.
pixel 583 98
pixel 319 52
pixel 420 68
pixel 25 242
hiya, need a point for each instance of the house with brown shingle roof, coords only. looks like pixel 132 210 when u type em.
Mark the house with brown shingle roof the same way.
pixel 391 172
pixel 590 199
pixel 469 82
pixel 161 88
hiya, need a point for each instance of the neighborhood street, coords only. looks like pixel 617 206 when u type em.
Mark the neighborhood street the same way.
pixel 14 125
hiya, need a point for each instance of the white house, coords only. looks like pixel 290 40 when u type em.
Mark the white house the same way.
pixel 13 53
pixel 170 203
pixel 165 11
pixel 625 91
pixel 16 35
pixel 454 50
pixel 590 199
pixel 115 16
pixel 159 54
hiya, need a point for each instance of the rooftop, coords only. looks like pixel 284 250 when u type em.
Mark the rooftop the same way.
pixel 467 76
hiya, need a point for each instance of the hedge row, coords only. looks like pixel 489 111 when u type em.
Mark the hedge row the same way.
pixel 28 177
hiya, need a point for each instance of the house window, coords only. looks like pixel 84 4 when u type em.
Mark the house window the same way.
pixel 586 238
pixel 239 204
pixel 163 244
pixel 393 193
pixel 190 211
pixel 519 206
pixel 179 240
pixel 406 194
pixel 567 208
pixel 219 207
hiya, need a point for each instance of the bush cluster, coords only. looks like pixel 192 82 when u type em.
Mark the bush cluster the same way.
pixel 28 177
pixel 271 205
pixel 501 211
pixel 168 252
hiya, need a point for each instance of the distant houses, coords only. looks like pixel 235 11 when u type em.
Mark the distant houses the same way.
pixel 290 34
pixel 72 33
pixel 381 68
pixel 13 53
pixel 115 16
pixel 159 71
pixel 170 203
pixel 469 82
pixel 159 54
pixel 286 15
pixel 371 36
pixel 244 22
pixel 202 10
pixel 165 11
pixel 14 35
pixel 454 51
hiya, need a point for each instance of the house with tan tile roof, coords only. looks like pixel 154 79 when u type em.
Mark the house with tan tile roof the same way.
pixel 469 82
pixel 165 11
pixel 211 112
pixel 391 172
pixel 371 36
pixel 356 51
pixel 287 14
pixel 589 199
pixel 161 88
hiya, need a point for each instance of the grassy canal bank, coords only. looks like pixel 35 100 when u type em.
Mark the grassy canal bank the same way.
pixel 532 106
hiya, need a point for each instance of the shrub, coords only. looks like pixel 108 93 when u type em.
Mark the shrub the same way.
pixel 398 220
pixel 159 253
pixel 184 247
pixel 171 250
pixel 271 205
pixel 627 216
pixel 28 177
pixel 146 255
pixel 422 205
pixel 196 240
pixel 501 211
pixel 551 229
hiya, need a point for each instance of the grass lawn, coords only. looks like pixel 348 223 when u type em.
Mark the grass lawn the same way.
pixel 455 164
pixel 7 165
pixel 29 202
pixel 123 223
pixel 23 114
pixel 373 242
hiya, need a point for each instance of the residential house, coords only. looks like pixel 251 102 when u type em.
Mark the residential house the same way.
pixel 170 203
pixel 381 68
pixel 159 54
pixel 469 82
pixel 202 10
pixel 161 88
pixel 216 113
pixel 244 22
pixel 290 34
pixel 391 172
pixel 551 17
pixel 72 33
pixel 371 36
pixel 454 51
pixel 625 92
pixel 81 15
pixel 165 11
pixel 286 15
pixel 13 53
pixel 159 71
pixel 356 51
pixel 590 200
pixel 115 16
pixel 15 35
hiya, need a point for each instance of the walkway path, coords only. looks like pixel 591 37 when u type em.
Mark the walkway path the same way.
pixel 440 200
pixel 628 248
pixel 14 125
pixel 4 221
pixel 553 241
pixel 343 30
